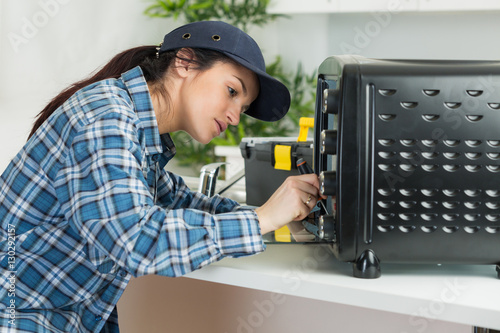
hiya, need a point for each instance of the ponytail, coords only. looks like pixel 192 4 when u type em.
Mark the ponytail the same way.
pixel 144 56
pixel 153 68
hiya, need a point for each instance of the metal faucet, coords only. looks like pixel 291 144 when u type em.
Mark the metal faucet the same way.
pixel 208 179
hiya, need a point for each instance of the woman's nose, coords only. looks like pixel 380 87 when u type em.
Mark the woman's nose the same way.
pixel 233 116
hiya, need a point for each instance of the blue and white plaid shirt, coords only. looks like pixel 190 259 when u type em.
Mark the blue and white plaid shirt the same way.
pixel 86 204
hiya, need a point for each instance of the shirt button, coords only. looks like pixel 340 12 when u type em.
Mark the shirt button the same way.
pixel 123 273
pixel 155 158
pixel 98 318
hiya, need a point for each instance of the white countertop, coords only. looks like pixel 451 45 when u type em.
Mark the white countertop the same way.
pixel 466 294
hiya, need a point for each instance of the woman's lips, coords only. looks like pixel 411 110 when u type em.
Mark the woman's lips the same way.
pixel 221 126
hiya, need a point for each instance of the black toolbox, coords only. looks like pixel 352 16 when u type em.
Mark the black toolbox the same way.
pixel 268 162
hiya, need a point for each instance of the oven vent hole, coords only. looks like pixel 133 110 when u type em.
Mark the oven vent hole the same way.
pixel 471 230
pixel 494 106
pixel 493 204
pixel 407 204
pixel 387 117
pixel 473 143
pixel 474 118
pixel 430 117
pixel 451 155
pixel 407 229
pixel 452 105
pixel 450 217
pixel 493 168
pixel 493 193
pixel 428 229
pixel 409 105
pixel 407 167
pixel 386 191
pixel 429 143
pixel 472 168
pixel 494 143
pixel 492 230
pixel 386 142
pixel 451 167
pixel 429 192
pixel 408 154
pixel 493 217
pixel 385 228
pixel 431 92
pixel 386 154
pixel 451 143
pixel 450 229
pixel 472 193
pixel 451 204
pixel 387 92
pixel 407 216
pixel 430 167
pixel 385 216
pixel 408 142
pixel 386 167
pixel 471 217
pixel 429 155
pixel 451 192
pixel 407 192
pixel 474 93
pixel 473 156
pixel 386 204
pixel 493 156
pixel 428 217
pixel 472 204
pixel 428 205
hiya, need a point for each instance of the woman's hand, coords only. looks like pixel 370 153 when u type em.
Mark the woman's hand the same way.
pixel 292 201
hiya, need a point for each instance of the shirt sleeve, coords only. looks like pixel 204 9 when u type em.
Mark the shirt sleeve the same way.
pixel 106 200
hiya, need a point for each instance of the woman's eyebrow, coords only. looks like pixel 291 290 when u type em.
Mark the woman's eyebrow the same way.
pixel 242 84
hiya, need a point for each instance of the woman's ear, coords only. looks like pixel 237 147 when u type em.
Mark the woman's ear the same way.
pixel 184 61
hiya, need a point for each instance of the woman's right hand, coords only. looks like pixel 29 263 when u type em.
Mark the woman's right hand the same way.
pixel 292 201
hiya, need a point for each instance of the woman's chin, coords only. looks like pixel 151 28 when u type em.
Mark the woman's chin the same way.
pixel 203 140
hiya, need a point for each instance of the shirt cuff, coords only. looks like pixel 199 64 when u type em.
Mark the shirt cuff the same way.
pixel 238 233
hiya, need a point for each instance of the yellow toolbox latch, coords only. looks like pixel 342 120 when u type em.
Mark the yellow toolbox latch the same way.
pixel 305 123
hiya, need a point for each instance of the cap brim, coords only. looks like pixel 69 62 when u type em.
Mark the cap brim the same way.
pixel 273 100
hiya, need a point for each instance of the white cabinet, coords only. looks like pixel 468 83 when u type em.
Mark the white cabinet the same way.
pixel 460 5
pixel 301 6
pixel 346 6
pixel 353 6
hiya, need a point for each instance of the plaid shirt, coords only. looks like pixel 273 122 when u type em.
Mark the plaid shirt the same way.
pixel 86 204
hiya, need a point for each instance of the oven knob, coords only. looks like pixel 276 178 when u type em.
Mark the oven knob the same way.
pixel 328 182
pixel 331 101
pixel 328 142
pixel 326 228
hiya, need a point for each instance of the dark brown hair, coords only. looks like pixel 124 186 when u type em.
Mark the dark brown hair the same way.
pixel 154 70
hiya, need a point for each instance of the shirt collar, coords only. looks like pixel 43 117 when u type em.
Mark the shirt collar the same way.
pixel 139 93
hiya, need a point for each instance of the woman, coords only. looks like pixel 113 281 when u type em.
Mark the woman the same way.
pixel 86 204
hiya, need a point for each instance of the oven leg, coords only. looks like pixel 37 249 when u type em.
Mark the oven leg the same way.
pixel 367 266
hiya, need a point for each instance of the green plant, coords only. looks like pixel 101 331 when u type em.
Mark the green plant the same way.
pixel 238 13
pixel 241 14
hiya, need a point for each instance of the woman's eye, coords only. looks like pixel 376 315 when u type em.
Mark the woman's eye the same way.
pixel 232 92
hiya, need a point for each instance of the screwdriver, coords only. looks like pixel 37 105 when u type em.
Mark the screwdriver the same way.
pixel 304 169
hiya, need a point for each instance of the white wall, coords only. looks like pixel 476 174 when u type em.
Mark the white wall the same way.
pixel 48 44
pixel 61 41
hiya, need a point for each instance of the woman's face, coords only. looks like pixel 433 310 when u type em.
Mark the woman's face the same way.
pixel 211 100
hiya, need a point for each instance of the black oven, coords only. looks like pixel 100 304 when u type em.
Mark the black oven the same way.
pixel 408 152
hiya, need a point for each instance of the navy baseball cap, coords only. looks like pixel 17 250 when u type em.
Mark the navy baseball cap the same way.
pixel 273 100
